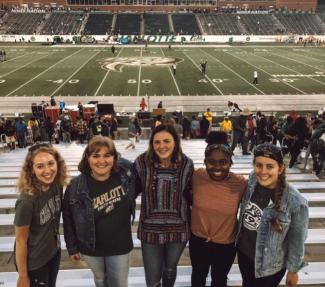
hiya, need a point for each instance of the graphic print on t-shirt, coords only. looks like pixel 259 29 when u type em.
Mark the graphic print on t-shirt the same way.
pixel 105 202
pixel 252 216
pixel 52 206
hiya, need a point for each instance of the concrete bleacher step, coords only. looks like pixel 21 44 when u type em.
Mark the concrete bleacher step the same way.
pixel 315 236
pixel 290 177
pixel 313 274
pixel 9 203
pixel 314 213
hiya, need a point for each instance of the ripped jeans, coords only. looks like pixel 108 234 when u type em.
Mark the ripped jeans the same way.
pixel 160 263
pixel 45 276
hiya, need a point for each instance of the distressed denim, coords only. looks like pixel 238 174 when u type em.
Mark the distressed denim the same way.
pixel 276 251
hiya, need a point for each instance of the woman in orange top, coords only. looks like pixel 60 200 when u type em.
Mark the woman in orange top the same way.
pixel 216 196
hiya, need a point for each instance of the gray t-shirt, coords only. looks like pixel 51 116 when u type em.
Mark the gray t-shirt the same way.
pixel 42 213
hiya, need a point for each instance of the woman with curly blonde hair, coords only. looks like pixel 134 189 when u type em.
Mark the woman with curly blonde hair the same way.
pixel 37 217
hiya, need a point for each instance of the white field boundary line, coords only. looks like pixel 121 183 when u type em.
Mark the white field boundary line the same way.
pixel 230 69
pixel 104 79
pixel 212 83
pixel 295 71
pixel 265 72
pixel 75 72
pixel 171 73
pixel 139 75
pixel 42 72
pixel 6 74
pixel 313 52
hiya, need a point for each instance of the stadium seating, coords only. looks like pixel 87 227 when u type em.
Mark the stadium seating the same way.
pixel 259 24
pixel 99 24
pixel 63 23
pixel 128 24
pixel 300 23
pixel 220 24
pixel 22 23
pixel 156 24
pixel 185 24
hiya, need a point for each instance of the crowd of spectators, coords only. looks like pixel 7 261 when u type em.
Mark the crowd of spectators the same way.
pixel 292 132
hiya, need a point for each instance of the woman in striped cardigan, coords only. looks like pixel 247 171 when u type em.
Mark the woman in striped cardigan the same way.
pixel 163 175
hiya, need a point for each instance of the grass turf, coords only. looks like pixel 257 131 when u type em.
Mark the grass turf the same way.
pixel 36 71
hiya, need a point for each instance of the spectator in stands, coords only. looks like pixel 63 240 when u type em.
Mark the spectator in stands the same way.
pixel 81 127
pixel 33 124
pixel 10 134
pixel 37 216
pixel 251 131
pixel 204 127
pixel 273 223
pixel 132 133
pixel 158 121
pixel 300 134
pixel 21 131
pixel 186 128
pixel 98 205
pixel 163 177
pixel 226 125
pixel 208 115
pixel 49 128
pixel 143 105
pixel 81 110
pixel 160 105
pixel 217 193
pixel 52 102
pixel 195 127
pixel 239 131
pixel 96 127
pixel 66 126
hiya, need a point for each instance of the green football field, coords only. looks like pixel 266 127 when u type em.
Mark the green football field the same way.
pixel 95 71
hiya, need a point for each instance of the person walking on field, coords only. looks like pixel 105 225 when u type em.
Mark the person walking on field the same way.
pixel 255 75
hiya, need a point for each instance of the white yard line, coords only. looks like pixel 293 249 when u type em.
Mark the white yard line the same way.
pixel 4 75
pixel 295 71
pixel 170 70
pixel 42 73
pixel 212 83
pixel 7 61
pixel 265 72
pixel 139 76
pixel 323 70
pixel 75 72
pixel 104 79
pixel 230 69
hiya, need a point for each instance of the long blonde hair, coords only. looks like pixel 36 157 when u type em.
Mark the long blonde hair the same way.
pixel 27 182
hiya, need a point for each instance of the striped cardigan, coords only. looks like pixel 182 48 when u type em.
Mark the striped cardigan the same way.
pixel 166 196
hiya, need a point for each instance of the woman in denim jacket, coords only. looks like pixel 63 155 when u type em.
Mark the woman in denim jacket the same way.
pixel 273 224
pixel 97 210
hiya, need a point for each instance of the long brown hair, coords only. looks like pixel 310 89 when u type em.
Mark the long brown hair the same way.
pixel 27 182
pixel 94 145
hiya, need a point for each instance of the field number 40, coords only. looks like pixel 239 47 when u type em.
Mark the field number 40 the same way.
pixel 60 81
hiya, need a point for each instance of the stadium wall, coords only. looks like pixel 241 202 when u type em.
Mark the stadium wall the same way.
pixel 255 4
pixel 310 5
pixel 167 39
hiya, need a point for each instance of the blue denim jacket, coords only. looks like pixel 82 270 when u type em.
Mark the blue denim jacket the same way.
pixel 78 213
pixel 275 251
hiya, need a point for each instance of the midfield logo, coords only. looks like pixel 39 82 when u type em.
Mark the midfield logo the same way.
pixel 116 64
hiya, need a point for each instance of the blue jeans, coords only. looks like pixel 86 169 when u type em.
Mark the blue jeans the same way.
pixel 160 263
pixel 109 271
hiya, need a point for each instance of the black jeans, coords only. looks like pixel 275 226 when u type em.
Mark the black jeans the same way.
pixel 205 254
pixel 160 263
pixel 46 275
pixel 247 270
